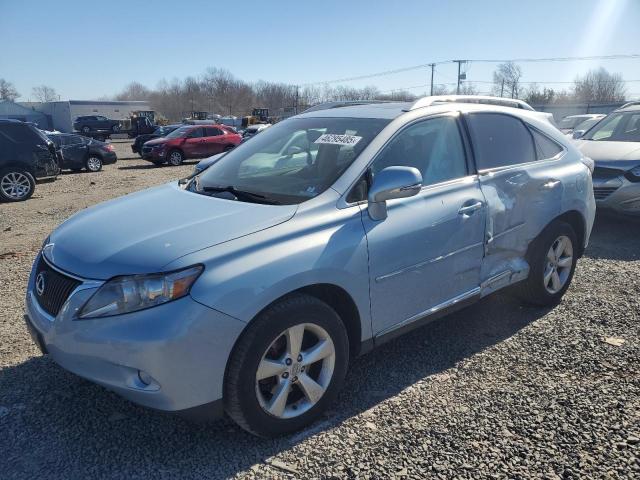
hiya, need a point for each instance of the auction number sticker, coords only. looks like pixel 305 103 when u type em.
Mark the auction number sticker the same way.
pixel 333 139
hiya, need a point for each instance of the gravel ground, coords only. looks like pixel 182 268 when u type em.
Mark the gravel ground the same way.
pixel 495 391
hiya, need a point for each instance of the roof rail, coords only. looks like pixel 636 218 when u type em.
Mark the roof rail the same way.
pixel 483 99
pixel 629 104
pixel 346 103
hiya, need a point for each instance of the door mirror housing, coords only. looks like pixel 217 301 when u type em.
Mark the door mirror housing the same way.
pixel 390 183
pixel 578 134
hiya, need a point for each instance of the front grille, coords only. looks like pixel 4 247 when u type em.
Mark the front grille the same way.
pixel 603 192
pixel 146 149
pixel 52 288
pixel 606 173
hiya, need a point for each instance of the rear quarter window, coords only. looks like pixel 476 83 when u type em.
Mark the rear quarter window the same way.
pixel 545 147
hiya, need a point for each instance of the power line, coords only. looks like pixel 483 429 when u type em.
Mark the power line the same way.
pixel 515 60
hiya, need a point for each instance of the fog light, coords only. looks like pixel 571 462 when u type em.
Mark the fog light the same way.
pixel 145 377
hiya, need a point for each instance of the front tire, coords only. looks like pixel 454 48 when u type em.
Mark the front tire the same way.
pixel 552 262
pixel 175 158
pixel 16 185
pixel 287 367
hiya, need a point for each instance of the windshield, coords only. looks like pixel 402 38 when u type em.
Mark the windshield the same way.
pixel 570 122
pixel 617 127
pixel 180 132
pixel 587 124
pixel 294 160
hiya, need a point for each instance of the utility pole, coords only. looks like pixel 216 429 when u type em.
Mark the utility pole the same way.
pixel 433 66
pixel 297 96
pixel 459 62
pixel 502 88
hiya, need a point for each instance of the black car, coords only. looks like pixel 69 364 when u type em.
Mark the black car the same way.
pixel 76 152
pixel 136 147
pixel 92 123
pixel 26 154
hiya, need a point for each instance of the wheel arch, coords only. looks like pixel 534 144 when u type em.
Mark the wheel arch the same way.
pixel 579 225
pixel 338 299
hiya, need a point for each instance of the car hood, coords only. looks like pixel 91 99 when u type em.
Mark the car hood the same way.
pixel 144 231
pixel 156 141
pixel 611 154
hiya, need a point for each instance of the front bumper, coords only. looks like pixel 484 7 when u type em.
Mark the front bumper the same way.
pixel 618 195
pixel 183 345
pixel 155 155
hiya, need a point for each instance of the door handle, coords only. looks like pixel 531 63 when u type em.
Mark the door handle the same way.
pixel 469 209
pixel 549 184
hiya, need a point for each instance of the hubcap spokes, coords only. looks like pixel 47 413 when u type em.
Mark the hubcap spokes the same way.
pixel 295 371
pixel 558 265
pixel 15 185
pixel 94 164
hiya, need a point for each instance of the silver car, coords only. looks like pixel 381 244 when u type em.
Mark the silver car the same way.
pixel 249 288
pixel 614 145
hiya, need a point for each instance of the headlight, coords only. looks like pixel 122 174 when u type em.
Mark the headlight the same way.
pixel 137 292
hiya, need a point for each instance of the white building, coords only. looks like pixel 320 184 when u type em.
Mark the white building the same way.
pixel 63 113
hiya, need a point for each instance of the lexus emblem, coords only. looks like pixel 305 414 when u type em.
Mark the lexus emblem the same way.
pixel 40 284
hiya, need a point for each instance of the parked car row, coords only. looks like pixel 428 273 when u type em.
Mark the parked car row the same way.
pixel 28 155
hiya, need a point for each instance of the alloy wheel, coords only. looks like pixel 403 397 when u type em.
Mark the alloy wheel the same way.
pixel 558 264
pixel 175 159
pixel 295 371
pixel 94 164
pixel 15 185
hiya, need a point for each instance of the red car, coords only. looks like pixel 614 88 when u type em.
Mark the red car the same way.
pixel 190 141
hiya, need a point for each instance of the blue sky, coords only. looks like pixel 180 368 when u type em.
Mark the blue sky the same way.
pixel 86 52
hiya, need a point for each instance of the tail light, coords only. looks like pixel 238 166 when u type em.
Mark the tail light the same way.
pixel 109 147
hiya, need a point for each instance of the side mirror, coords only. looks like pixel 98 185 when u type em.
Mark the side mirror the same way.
pixel 577 134
pixel 390 183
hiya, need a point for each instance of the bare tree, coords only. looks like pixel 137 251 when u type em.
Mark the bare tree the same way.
pixel 466 89
pixel 506 80
pixel 536 97
pixel 134 91
pixel 599 86
pixel 44 93
pixel 7 91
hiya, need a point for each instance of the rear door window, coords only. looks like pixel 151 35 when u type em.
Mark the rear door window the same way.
pixel 21 133
pixel 213 132
pixel 500 140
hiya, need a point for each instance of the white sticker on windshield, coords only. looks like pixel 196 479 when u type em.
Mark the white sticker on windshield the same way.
pixel 333 139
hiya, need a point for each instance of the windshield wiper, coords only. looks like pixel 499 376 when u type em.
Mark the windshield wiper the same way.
pixel 242 194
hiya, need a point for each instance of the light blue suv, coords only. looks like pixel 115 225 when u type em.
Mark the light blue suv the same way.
pixel 249 287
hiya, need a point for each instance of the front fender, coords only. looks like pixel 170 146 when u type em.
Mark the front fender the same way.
pixel 246 275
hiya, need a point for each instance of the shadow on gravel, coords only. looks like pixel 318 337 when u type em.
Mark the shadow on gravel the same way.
pixel 61 426
pixel 150 166
pixel 614 238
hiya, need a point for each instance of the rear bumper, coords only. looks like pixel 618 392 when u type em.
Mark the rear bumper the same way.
pixel 182 345
pixel 109 158
pixel 618 195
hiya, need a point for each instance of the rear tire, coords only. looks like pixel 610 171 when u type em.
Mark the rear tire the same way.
pixel 93 163
pixel 229 148
pixel 552 261
pixel 86 129
pixel 115 128
pixel 305 380
pixel 175 158
pixel 16 185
